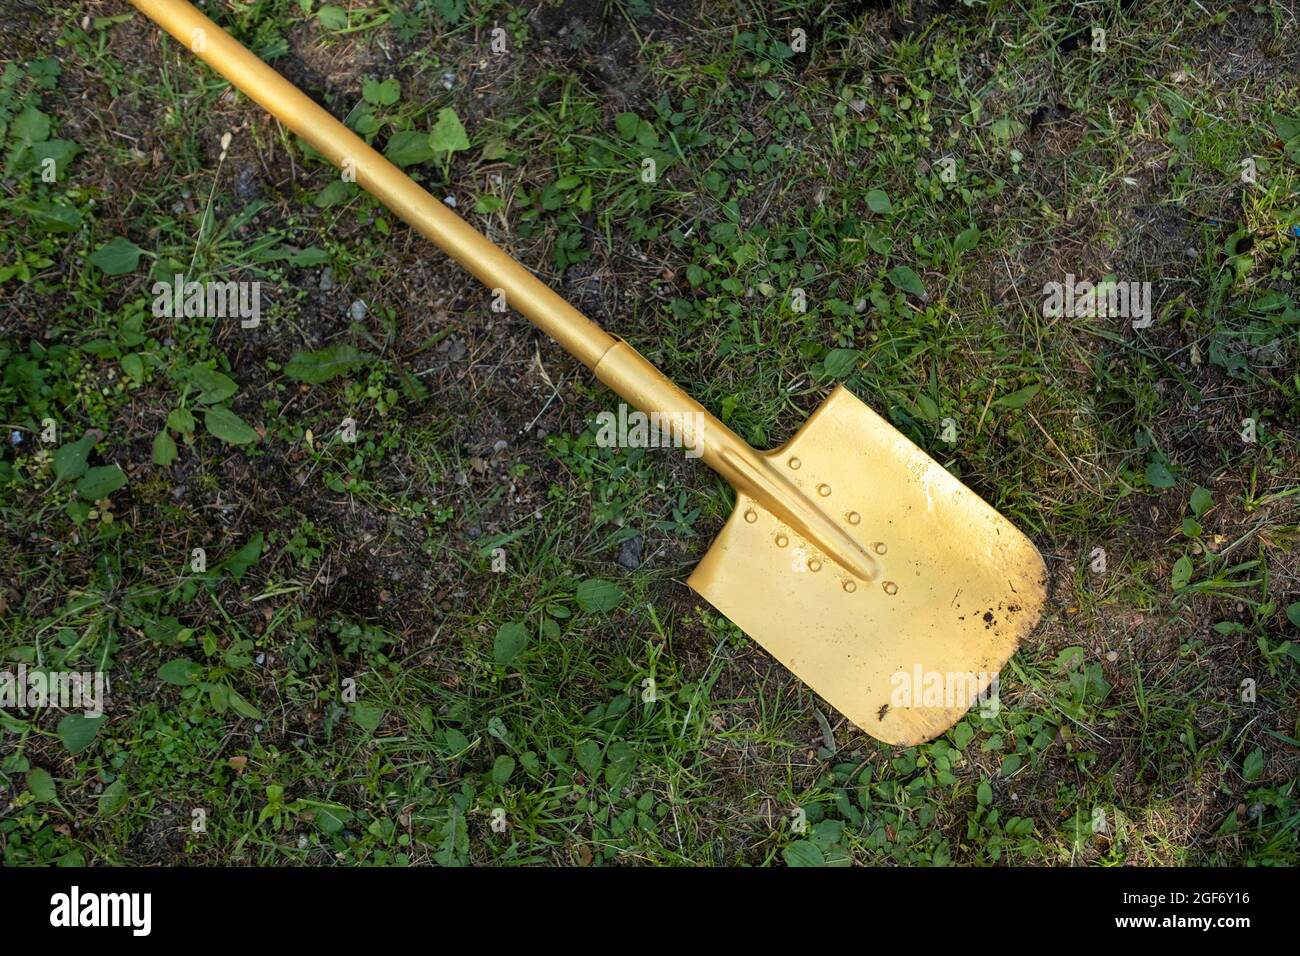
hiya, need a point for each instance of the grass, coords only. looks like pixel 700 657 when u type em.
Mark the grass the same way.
pixel 418 647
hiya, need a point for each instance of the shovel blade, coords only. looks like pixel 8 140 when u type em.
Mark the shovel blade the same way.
pixel 906 655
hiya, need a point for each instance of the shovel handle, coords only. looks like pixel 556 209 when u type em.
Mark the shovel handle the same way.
pixel 581 337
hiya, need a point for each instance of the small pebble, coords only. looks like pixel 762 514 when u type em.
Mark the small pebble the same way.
pixel 357 310
pixel 629 553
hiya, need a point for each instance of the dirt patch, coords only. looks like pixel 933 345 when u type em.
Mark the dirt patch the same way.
pixel 604 45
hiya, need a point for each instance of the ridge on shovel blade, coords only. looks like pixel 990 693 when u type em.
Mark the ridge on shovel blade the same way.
pixel 903 656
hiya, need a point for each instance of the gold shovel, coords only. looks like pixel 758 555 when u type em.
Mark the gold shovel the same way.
pixel 878 578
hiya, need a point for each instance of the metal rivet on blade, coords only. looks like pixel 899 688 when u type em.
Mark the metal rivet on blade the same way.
pixel 824 490
pixel 751 515
pixel 850 586
pixel 795 463
pixel 814 565
pixel 782 541
pixel 879 547
pixel 890 587
pixel 854 517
